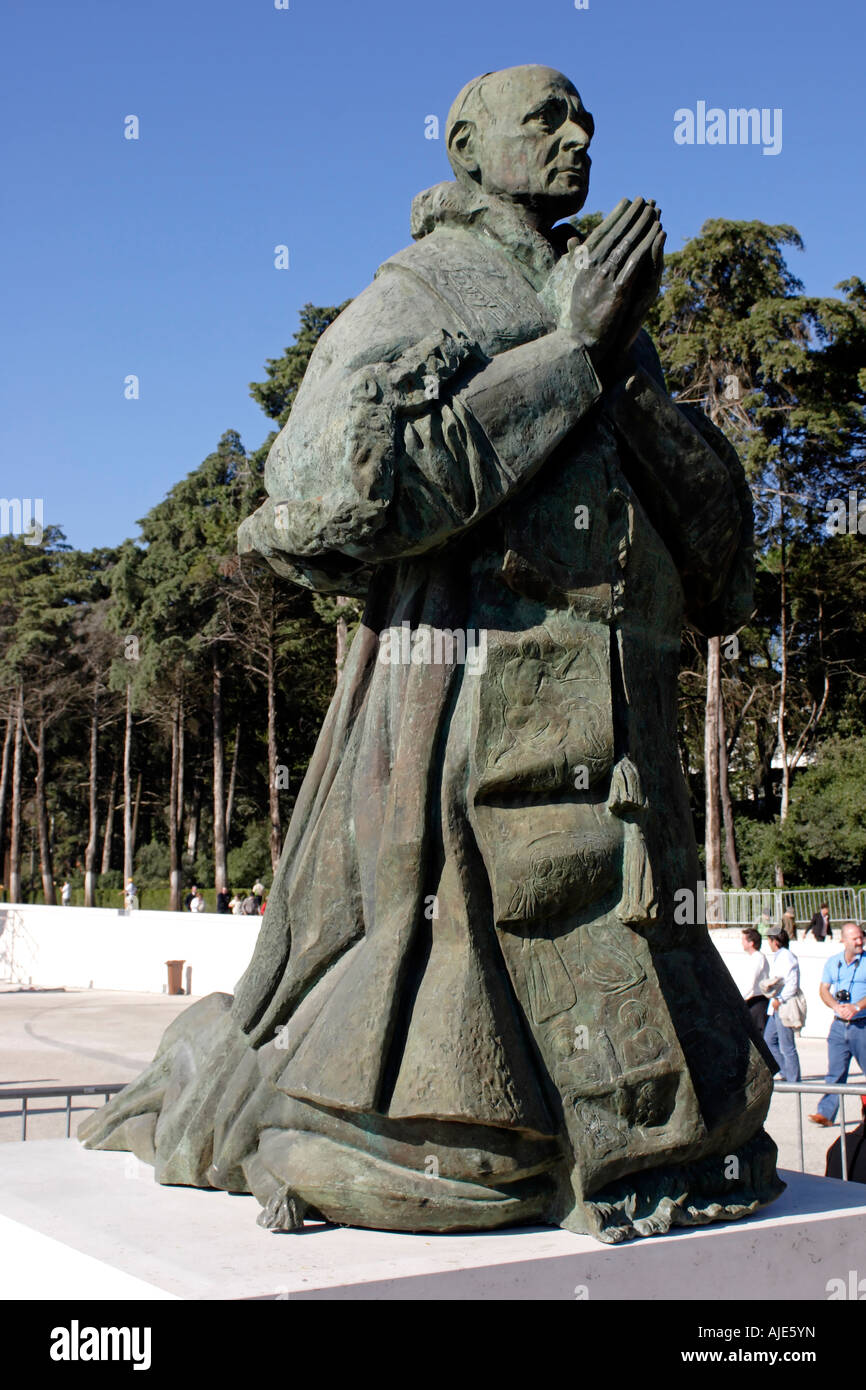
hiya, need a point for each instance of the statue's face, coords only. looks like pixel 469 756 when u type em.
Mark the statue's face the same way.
pixel 532 146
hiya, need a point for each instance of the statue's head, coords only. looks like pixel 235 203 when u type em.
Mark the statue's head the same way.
pixel 523 133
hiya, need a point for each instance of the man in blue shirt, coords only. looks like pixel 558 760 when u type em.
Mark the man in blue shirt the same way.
pixel 843 989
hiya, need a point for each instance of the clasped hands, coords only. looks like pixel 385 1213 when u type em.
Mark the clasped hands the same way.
pixel 603 288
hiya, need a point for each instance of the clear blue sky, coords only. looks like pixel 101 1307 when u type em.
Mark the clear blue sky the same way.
pixel 305 126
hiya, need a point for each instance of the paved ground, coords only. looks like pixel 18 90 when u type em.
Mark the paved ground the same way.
pixel 90 1036
pixel 80 1037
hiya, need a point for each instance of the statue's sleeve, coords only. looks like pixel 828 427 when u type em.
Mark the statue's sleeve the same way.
pixel 691 482
pixel 404 434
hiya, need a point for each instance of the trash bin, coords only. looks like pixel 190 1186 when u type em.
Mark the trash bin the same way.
pixel 175 970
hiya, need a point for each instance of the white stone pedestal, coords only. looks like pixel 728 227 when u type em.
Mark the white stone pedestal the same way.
pixel 80 1224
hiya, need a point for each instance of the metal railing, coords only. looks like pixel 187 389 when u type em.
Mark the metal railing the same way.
pixel 737 907
pixel 820 1088
pixel 28 1093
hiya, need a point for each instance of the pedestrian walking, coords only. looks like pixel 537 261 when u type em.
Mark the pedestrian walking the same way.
pixel 843 989
pixel 759 970
pixel 785 986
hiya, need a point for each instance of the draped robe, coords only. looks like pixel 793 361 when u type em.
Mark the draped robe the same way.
pixel 473 1000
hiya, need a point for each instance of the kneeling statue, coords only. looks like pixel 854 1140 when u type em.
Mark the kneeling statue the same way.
pixel 474 1001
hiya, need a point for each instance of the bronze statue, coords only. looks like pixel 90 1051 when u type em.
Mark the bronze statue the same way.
pixel 471 1003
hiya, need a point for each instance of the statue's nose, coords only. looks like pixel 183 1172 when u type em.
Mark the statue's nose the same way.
pixel 574 136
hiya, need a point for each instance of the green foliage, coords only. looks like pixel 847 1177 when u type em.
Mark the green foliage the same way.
pixel 824 836
pixel 151 863
pixel 782 374
pixel 165 618
pixel 248 862
pixel 757 850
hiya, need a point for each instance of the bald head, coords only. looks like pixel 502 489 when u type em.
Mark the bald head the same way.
pixel 523 133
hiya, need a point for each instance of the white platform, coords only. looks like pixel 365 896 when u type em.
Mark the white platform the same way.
pixel 95 1225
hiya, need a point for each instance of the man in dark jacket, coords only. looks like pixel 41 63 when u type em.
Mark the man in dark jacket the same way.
pixel 820 924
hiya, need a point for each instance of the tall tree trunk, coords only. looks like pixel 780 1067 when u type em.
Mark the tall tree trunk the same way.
pixel 181 732
pixel 93 807
pixel 194 821
pixel 727 806
pixel 135 811
pixel 230 799
pixel 712 833
pixel 127 788
pixel 15 837
pixel 173 817
pixel 276 837
pixel 46 866
pixel 31 883
pixel 219 804
pixel 5 770
pixel 781 722
pixel 109 822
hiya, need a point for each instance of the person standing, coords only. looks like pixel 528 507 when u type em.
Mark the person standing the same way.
pixel 759 970
pixel 197 902
pixel 763 924
pixel 65 893
pixel 789 922
pixel 782 1041
pixel 843 989
pixel 130 896
pixel 222 900
pixel 820 924
pixel 252 905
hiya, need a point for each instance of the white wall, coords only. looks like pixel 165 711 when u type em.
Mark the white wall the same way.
pixel 812 956
pixel 112 949
pixel 108 948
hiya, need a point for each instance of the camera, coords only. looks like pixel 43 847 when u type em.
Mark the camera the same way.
pixel 842 996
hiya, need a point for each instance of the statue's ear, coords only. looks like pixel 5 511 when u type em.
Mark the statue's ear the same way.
pixel 461 149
